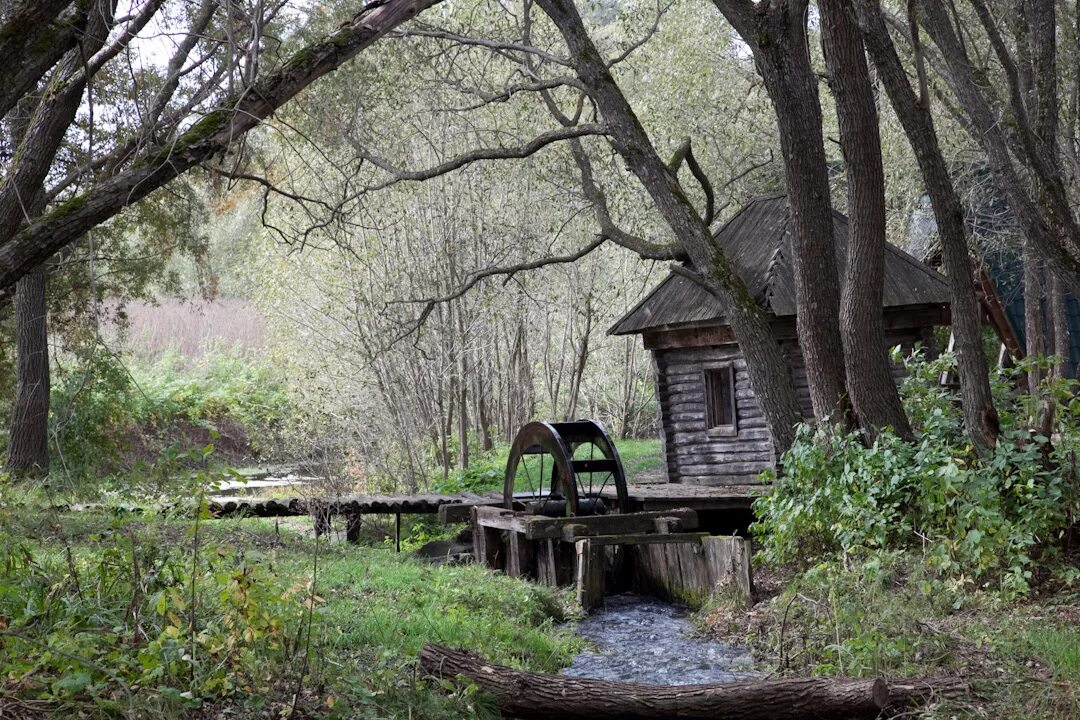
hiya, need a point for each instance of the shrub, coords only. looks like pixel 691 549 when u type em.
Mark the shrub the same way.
pixel 109 418
pixel 974 518
pixel 139 615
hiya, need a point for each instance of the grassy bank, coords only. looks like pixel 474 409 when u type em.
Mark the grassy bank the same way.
pixel 882 618
pixel 108 617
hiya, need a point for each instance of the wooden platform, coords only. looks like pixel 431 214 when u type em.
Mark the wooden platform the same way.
pixel 663 496
pixel 455 508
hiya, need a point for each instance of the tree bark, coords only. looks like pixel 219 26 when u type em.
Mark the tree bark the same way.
pixel 28 441
pixel 530 695
pixel 1034 330
pixel 775 30
pixel 769 375
pixel 870 382
pixel 914 114
pixel 1049 224
pixel 1060 319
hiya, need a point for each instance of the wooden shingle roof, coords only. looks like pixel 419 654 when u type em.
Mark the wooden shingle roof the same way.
pixel 758 243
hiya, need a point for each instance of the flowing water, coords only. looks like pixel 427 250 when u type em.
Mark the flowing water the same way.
pixel 645 640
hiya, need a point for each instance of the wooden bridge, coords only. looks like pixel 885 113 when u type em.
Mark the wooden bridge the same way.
pixel 456 507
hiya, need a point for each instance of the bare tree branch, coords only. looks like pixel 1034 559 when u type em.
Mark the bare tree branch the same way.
pixel 685 153
pixel 608 228
pixel 509 271
pixel 510 47
pixel 498 153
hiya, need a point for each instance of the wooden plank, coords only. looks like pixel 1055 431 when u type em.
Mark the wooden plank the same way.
pixel 730 468
pixel 537 528
pixel 680 338
pixel 648 539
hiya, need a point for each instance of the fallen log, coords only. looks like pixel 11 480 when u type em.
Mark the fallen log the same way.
pixel 529 695
pixel 908 694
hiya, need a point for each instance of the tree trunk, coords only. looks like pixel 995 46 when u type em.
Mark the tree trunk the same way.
pixel 28 443
pixel 1060 319
pixel 777 37
pixel 913 110
pixel 870 382
pixel 1034 333
pixel 769 375
pixel 1048 223
pixel 530 695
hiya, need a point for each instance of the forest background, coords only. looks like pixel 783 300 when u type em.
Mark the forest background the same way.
pixel 329 236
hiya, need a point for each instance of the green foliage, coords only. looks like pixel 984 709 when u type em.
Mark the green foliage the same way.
pixel 381 607
pixel 484 474
pixel 109 417
pixel 130 618
pixel 97 617
pixel 975 519
pixel 859 619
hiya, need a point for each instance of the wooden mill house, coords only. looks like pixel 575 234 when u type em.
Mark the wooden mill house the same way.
pixel 713 429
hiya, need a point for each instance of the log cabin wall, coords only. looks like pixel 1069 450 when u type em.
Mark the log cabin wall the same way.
pixel 695 455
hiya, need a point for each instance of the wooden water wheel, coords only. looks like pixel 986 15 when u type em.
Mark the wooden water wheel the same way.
pixel 567 468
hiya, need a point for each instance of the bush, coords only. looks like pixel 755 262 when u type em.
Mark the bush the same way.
pixel 109 418
pixel 974 518
pixel 135 615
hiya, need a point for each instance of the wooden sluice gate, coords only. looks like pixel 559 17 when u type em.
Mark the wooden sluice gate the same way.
pixel 653 552
pixel 568 518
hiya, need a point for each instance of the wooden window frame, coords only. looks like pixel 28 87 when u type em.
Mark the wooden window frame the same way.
pixel 720 430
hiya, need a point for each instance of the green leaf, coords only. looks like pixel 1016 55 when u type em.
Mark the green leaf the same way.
pixel 74 682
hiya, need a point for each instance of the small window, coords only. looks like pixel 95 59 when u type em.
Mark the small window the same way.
pixel 720 398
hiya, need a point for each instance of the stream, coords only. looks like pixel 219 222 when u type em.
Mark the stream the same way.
pixel 641 639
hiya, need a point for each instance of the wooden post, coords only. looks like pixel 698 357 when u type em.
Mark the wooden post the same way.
pixel 519 563
pixel 321 517
pixel 729 564
pixel 352 528
pixel 487 544
pixel 546 569
pixel 397 532
pixel 668 525
pixel 589 573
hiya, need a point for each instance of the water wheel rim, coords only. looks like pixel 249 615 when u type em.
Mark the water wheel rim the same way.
pixel 547 438
pixel 560 440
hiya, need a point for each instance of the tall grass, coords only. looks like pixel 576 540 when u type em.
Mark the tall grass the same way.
pixel 191 328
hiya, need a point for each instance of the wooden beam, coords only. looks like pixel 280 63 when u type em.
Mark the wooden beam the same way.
pixel 652 539
pixel 537 528
pixel 589 573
